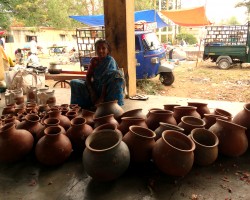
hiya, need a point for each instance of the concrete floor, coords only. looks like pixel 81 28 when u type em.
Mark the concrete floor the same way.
pixel 228 178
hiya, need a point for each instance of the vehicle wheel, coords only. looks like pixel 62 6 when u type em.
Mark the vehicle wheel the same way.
pixel 224 64
pixel 167 78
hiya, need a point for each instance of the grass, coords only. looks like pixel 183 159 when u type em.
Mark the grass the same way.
pixel 149 86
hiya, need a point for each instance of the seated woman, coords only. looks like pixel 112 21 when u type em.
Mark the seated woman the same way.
pixel 104 81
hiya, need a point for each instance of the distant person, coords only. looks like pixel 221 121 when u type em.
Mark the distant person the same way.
pixel 32 61
pixel 19 57
pixel 33 46
pixel 7 61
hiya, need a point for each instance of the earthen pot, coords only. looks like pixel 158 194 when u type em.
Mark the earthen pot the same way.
pixel 43 108
pixel 170 106
pixel 105 119
pixel 188 123
pixel 157 116
pixel 173 153
pixel 14 144
pixel 98 157
pixel 232 137
pixel 107 108
pixel 9 109
pixel 71 115
pixel 181 111
pixel 78 132
pixel 132 113
pixel 243 118
pixel 140 141
pixel 210 119
pixel 54 148
pixel 88 115
pixel 151 109
pixel 126 122
pixel 166 126
pixel 206 142
pixel 202 108
pixel 64 121
pixel 224 113
pixel 107 126
pixel 10 118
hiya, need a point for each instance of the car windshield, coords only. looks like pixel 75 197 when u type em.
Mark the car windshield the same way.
pixel 152 41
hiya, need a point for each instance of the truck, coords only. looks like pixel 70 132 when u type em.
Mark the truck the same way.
pixel 150 53
pixel 227 45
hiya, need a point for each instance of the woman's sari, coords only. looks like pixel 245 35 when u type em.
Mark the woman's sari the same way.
pixel 104 74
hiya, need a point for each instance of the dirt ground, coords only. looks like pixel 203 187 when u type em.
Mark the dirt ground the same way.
pixel 206 81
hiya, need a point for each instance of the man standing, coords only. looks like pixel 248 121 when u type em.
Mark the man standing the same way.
pixel 33 46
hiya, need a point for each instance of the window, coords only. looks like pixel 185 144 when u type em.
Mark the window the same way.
pixel 63 37
pixel 29 38
pixel 9 39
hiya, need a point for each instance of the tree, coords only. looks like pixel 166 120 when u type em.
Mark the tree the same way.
pixel 246 4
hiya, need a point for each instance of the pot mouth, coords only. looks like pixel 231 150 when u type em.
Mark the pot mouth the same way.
pixel 195 121
pixel 51 121
pixel 142 132
pixel 216 116
pixel 103 140
pixel 32 117
pixel 171 126
pixel 222 112
pixel 132 118
pixel 53 130
pixel 204 137
pixel 185 107
pixel 7 126
pixel 106 126
pixel 178 140
pixel 78 121
pixel 232 123
pixel 247 107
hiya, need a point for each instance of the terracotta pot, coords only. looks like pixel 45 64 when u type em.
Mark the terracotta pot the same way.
pixel 157 116
pixel 210 119
pixel 8 110
pixel 129 121
pixel 151 109
pixel 107 126
pixel 188 123
pixel 202 108
pixel 88 115
pixel 71 115
pixel 78 132
pixel 173 153
pixel 132 113
pixel 105 119
pixel 107 108
pixel 243 118
pixel 224 113
pixel 140 142
pixel 54 148
pixel 64 110
pixel 43 108
pixel 10 118
pixel 32 124
pixel 98 157
pixel 170 106
pixel 232 137
pixel 64 121
pixel 206 142
pixel 181 111
pixel 166 126
pixel 14 144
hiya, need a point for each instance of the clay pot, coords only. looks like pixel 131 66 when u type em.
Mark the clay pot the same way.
pixel 181 111
pixel 170 106
pixel 173 153
pixel 157 116
pixel 88 115
pixel 11 118
pixel 71 115
pixel 107 126
pixel 78 132
pixel 243 118
pixel 64 110
pixel 105 119
pixel 107 108
pixel 9 109
pixel 43 108
pixel 54 148
pixel 140 142
pixel 232 137
pixel 224 113
pixel 32 124
pixel 202 108
pixel 188 123
pixel 132 113
pixel 126 122
pixel 64 121
pixel 14 144
pixel 206 142
pixel 98 157
pixel 210 119
pixel 151 109
pixel 166 126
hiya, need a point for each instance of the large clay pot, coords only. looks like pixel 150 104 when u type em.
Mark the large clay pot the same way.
pixel 71 115
pixel 243 118
pixel 105 119
pixel 54 148
pixel 202 108
pixel 140 142
pixel 10 118
pixel 88 115
pixel 170 106
pixel 181 111
pixel 129 121
pixel 151 109
pixel 78 132
pixel 166 126
pixel 157 116
pixel 132 113
pixel 173 153
pixel 32 124
pixel 206 142
pixel 106 157
pixel 9 109
pixel 64 121
pixel 107 108
pixel 14 143
pixel 210 119
pixel 107 126
pixel 224 113
pixel 232 137
pixel 188 123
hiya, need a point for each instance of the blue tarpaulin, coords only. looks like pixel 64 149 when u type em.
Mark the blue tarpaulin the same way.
pixel 98 20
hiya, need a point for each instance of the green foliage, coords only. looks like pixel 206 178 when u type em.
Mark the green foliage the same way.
pixel 148 86
pixel 189 38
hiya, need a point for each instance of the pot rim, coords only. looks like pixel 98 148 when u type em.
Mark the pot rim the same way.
pixel 132 127
pixel 203 123
pixel 176 127
pixel 232 123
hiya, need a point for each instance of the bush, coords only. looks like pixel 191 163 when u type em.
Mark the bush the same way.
pixel 189 38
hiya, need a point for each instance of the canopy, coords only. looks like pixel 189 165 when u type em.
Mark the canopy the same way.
pixel 188 17
pixel 98 20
